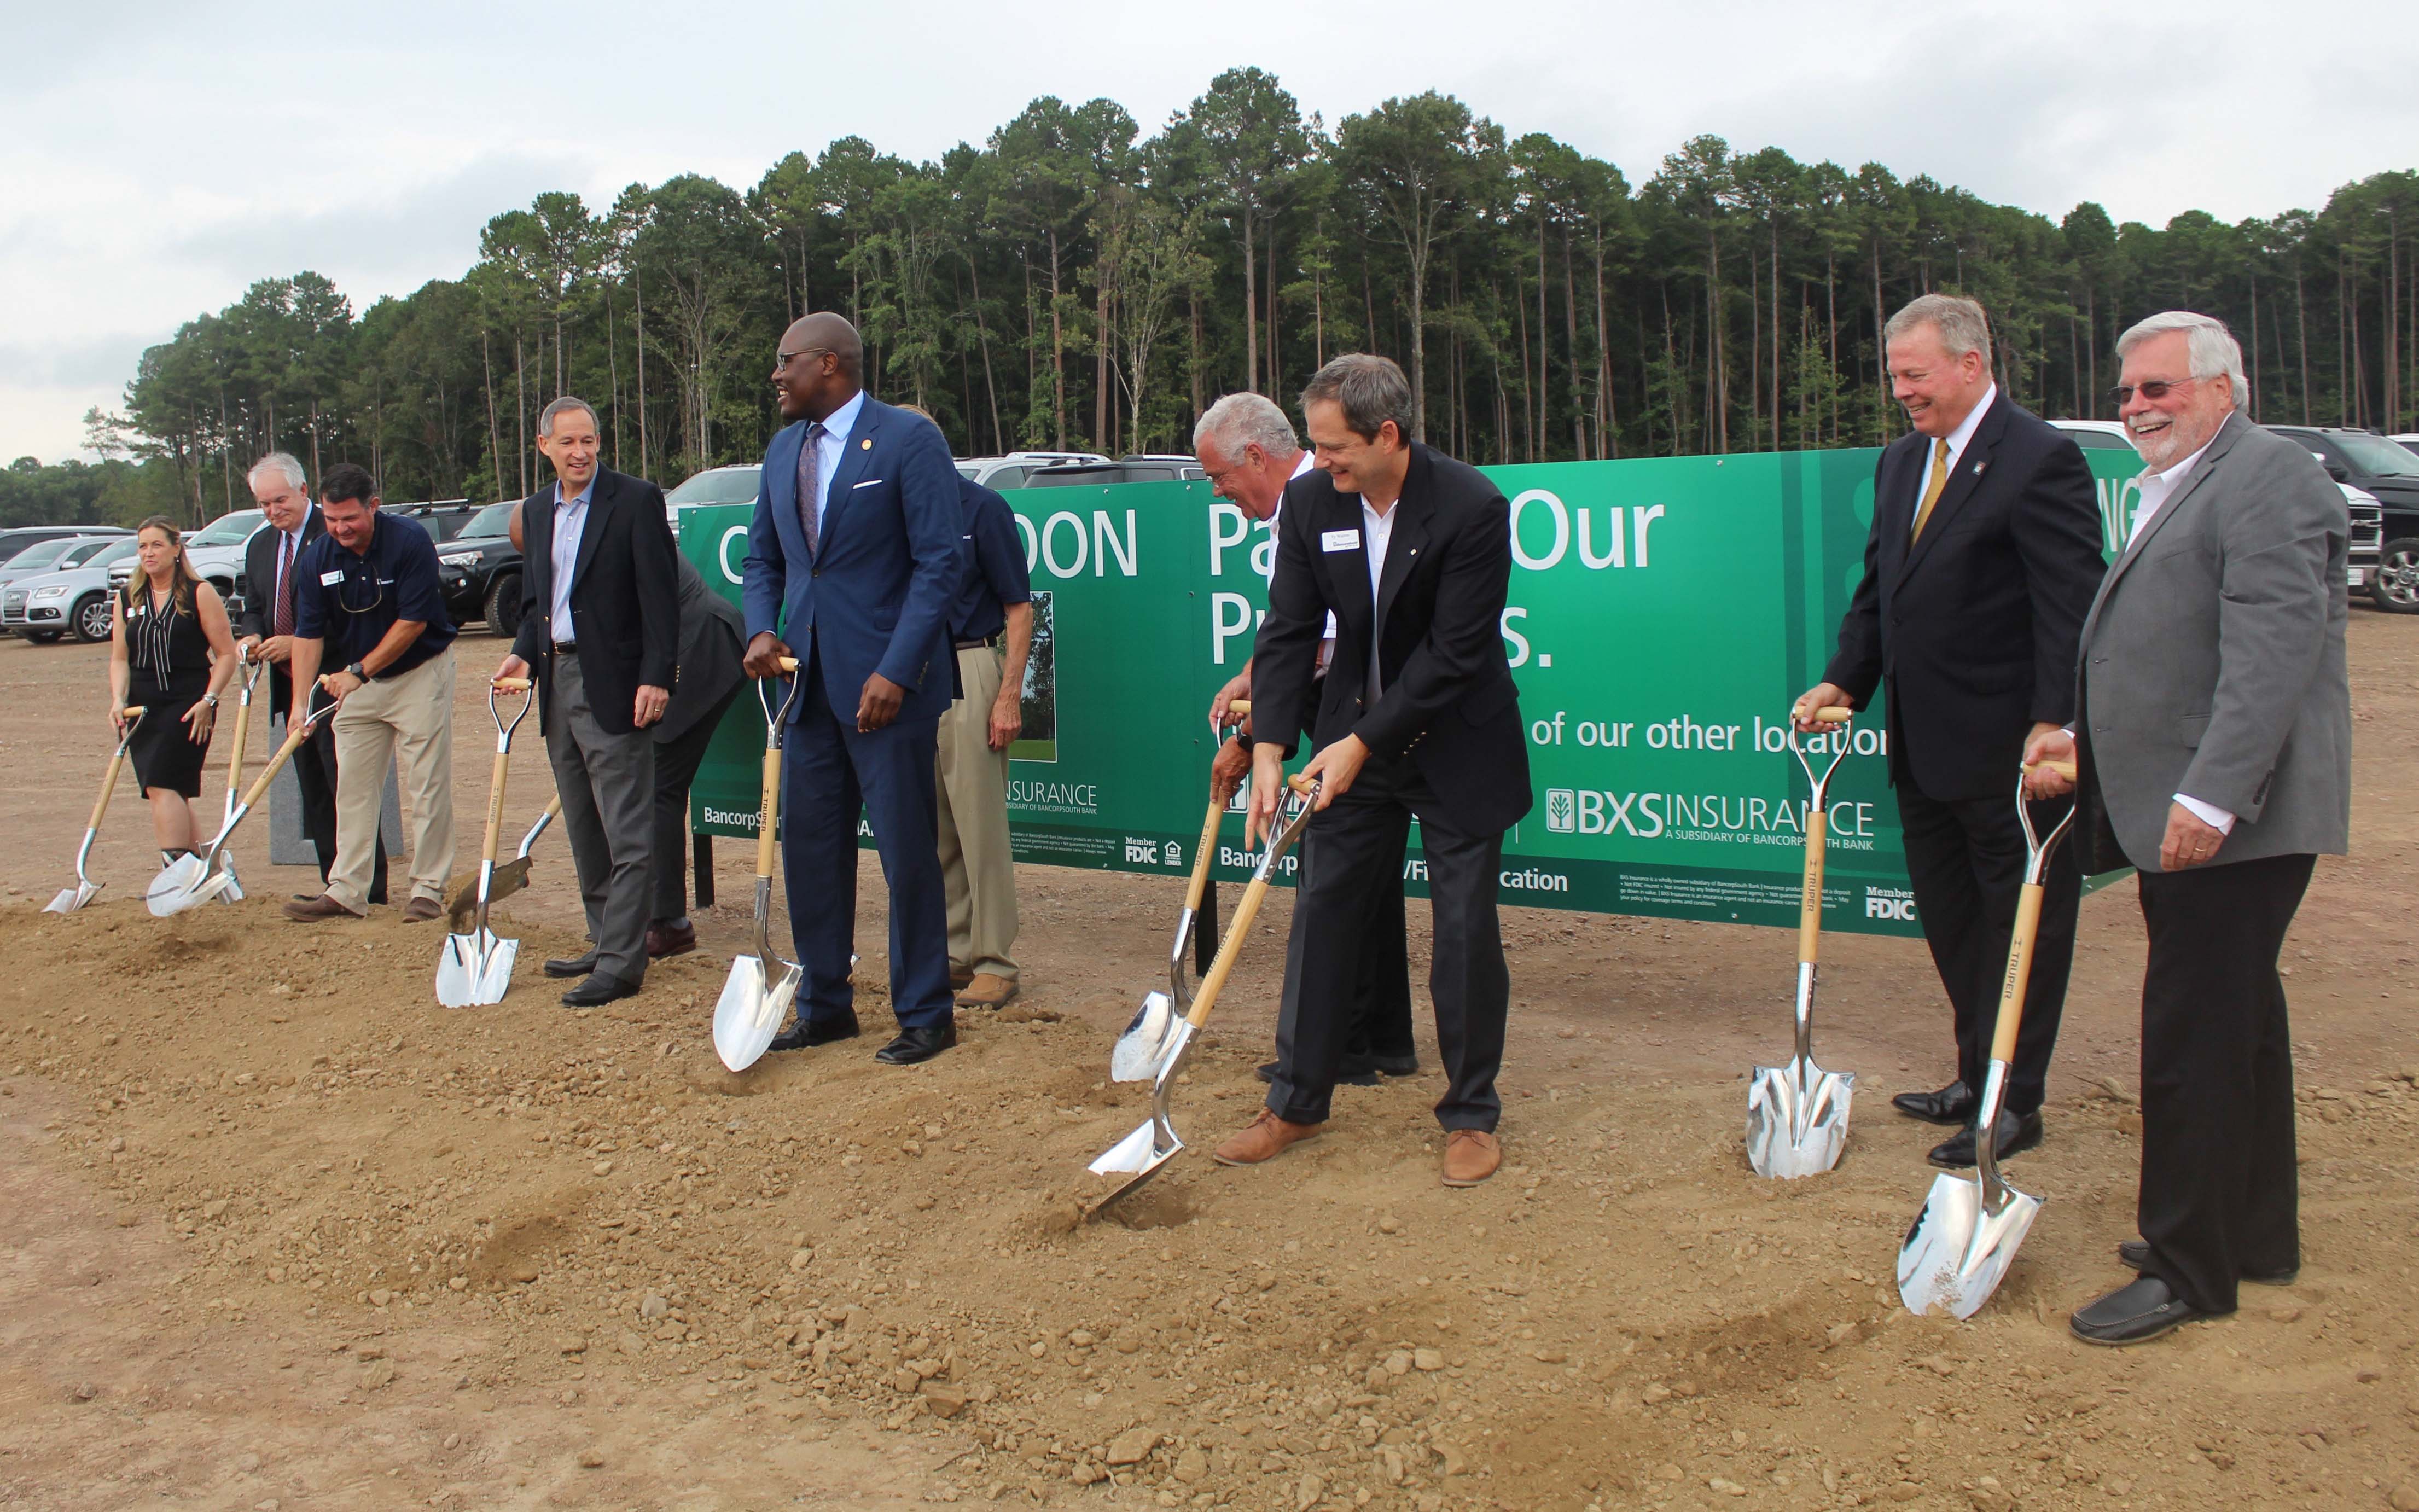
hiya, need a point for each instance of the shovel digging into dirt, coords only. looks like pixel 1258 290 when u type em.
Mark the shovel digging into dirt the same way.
pixel 754 1002
pixel 71 899
pixel 197 876
pixel 249 671
pixel 1143 1044
pixel 476 968
pixel 462 893
pixel 1797 1114
pixel 1962 1243
pixel 1140 1154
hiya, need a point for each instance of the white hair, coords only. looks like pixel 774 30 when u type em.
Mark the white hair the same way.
pixel 1962 323
pixel 285 465
pixel 1242 420
pixel 2214 352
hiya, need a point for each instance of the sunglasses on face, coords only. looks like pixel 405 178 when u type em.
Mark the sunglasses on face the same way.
pixel 2155 389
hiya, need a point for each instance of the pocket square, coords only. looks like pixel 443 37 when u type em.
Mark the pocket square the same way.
pixel 867 483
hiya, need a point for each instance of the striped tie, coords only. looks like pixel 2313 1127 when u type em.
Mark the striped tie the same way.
pixel 810 464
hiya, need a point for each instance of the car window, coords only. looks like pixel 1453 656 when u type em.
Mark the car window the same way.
pixel 113 553
pixel 41 553
pixel 496 519
pixel 1008 477
pixel 2376 454
pixel 83 551
pixel 717 486
pixel 227 530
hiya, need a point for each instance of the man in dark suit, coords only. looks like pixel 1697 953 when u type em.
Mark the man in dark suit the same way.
pixel 1985 554
pixel 267 624
pixel 712 633
pixel 600 629
pixel 853 559
pixel 1418 716
pixel 2213 743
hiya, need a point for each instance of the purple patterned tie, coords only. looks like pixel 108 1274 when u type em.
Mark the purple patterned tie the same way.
pixel 808 464
pixel 284 620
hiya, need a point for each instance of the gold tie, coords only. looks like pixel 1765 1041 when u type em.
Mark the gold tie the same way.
pixel 1932 487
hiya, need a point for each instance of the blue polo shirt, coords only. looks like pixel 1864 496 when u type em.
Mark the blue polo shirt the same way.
pixel 351 601
pixel 993 574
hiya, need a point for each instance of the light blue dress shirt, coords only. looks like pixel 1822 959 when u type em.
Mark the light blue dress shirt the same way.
pixel 570 518
pixel 829 452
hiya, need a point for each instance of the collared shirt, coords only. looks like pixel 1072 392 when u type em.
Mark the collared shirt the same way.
pixel 1327 636
pixel 1959 438
pixel 1376 533
pixel 2157 488
pixel 570 519
pixel 830 449
pixel 350 602
pixel 993 572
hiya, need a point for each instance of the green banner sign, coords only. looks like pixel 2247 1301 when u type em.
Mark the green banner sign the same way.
pixel 1663 614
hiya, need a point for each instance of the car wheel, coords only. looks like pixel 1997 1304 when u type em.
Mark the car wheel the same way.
pixel 43 638
pixel 2397 577
pixel 91 618
pixel 504 605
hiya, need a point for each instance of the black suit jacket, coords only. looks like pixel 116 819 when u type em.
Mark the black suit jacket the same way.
pixel 624 595
pixel 1447 702
pixel 259 615
pixel 1973 629
pixel 713 634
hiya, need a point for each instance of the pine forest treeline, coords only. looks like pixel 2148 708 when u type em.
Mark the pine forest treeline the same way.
pixel 1073 282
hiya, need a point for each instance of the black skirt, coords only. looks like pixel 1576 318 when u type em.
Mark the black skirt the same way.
pixel 163 751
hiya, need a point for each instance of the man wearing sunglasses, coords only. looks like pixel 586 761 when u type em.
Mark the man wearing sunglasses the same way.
pixel 1984 553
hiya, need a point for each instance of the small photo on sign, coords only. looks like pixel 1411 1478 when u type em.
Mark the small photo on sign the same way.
pixel 1040 741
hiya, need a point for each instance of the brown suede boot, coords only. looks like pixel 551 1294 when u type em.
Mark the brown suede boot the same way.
pixel 1470 1156
pixel 1264 1138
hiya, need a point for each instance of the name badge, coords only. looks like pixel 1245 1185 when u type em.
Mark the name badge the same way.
pixel 330 579
pixel 1339 540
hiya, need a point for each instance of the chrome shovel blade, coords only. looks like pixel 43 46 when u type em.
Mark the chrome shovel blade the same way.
pixel 1958 1251
pixel 71 899
pixel 231 890
pixel 1147 1149
pixel 475 969
pixel 1140 1049
pixel 1798 1119
pixel 750 1010
pixel 180 886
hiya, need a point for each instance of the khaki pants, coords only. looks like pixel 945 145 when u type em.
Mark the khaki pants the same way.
pixel 977 874
pixel 410 719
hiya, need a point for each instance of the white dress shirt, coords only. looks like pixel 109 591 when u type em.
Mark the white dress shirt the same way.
pixel 570 519
pixel 2157 488
pixel 1958 441
pixel 830 449
pixel 1376 533
pixel 1327 641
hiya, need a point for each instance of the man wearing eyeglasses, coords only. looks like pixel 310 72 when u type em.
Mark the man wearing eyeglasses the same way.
pixel 1984 553
pixel 371 605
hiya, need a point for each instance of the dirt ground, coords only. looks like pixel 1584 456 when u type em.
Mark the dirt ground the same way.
pixel 276 1232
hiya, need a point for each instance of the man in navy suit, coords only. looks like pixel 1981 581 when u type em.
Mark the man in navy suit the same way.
pixel 853 559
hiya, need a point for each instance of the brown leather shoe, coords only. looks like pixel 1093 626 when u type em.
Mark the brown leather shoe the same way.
pixel 677 938
pixel 323 907
pixel 987 991
pixel 421 910
pixel 1264 1138
pixel 958 979
pixel 1470 1156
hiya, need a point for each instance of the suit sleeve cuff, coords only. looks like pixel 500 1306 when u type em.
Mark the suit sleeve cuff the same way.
pixel 2208 813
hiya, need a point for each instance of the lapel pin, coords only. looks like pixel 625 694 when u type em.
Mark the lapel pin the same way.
pixel 1979 465
pixel 865 445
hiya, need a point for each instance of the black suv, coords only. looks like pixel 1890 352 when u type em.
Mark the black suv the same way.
pixel 481 570
pixel 2382 468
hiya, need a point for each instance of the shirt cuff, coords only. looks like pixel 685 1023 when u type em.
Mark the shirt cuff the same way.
pixel 2208 813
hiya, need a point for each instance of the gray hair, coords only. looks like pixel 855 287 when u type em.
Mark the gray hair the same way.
pixel 1371 391
pixel 286 464
pixel 1242 420
pixel 1962 326
pixel 563 405
pixel 2215 351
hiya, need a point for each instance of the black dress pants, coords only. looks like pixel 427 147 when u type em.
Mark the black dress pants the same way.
pixel 1965 858
pixel 2219 1194
pixel 1351 854
pixel 676 763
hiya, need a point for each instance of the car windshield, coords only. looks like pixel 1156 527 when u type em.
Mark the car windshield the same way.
pixel 41 553
pixel 113 553
pixel 227 530
pixel 496 519
pixel 720 486
pixel 2377 456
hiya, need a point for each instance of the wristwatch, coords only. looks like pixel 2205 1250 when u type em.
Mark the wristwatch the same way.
pixel 210 699
pixel 358 671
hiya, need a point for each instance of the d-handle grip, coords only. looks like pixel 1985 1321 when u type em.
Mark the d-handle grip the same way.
pixel 1829 714
pixel 2064 769
pixel 509 685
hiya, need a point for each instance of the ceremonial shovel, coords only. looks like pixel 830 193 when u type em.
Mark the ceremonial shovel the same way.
pixel 1965 1239
pixel 507 879
pixel 1797 1114
pixel 1140 1154
pixel 249 671
pixel 197 877
pixel 752 1007
pixel 476 968
pixel 71 899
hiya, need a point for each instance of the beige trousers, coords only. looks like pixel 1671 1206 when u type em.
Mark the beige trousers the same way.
pixel 977 872
pixel 410 719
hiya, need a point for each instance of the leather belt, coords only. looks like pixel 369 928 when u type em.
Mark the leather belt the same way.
pixel 982 644
pixel 566 648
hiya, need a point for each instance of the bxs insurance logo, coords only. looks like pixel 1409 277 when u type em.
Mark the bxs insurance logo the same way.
pixel 1561 810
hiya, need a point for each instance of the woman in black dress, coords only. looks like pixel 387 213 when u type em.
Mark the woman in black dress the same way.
pixel 171 651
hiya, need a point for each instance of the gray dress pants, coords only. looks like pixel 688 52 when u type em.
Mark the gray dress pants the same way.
pixel 608 784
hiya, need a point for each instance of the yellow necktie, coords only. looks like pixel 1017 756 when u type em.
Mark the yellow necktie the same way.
pixel 1932 487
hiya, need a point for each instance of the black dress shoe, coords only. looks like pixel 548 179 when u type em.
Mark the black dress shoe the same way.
pixel 2133 1314
pixel 2018 1132
pixel 917 1044
pixel 579 965
pixel 2135 1255
pixel 676 937
pixel 601 987
pixel 1351 1074
pixel 1398 1065
pixel 810 1033
pixel 1953 1104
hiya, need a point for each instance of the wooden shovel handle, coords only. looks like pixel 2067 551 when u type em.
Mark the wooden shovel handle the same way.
pixel 1200 883
pixel 509 685
pixel 1242 706
pixel 789 664
pixel 495 810
pixel 243 736
pixel 2064 769
pixel 2020 971
pixel 768 815
pixel 295 736
pixel 1224 962
pixel 1302 784
pixel 1809 892
pixel 108 786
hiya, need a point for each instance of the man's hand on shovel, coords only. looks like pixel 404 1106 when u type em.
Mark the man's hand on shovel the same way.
pixel 2049 763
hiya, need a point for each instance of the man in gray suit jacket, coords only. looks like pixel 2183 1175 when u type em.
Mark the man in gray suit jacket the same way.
pixel 2213 737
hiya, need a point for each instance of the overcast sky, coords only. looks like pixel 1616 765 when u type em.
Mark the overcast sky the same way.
pixel 156 159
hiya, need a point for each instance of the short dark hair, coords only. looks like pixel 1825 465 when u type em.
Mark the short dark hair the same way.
pixel 1371 390
pixel 347 481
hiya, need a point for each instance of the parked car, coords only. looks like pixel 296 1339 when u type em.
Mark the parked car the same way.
pixel 2409 443
pixel 215 552
pixel 2372 462
pixel 1135 468
pixel 18 537
pixel 1011 471
pixel 76 601
pixel 54 556
pixel 442 518
pixel 481 570
pixel 735 485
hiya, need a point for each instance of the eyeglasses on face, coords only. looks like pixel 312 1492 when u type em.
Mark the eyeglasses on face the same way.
pixel 2154 388
pixel 783 360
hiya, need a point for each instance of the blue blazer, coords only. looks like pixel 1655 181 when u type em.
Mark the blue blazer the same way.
pixel 876 599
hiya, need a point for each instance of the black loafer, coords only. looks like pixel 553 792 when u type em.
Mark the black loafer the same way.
pixel 1953 1104
pixel 1354 1073
pixel 2136 1255
pixel 2018 1132
pixel 914 1045
pixel 812 1032
pixel 601 987
pixel 579 965
pixel 2133 1314
pixel 1398 1065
